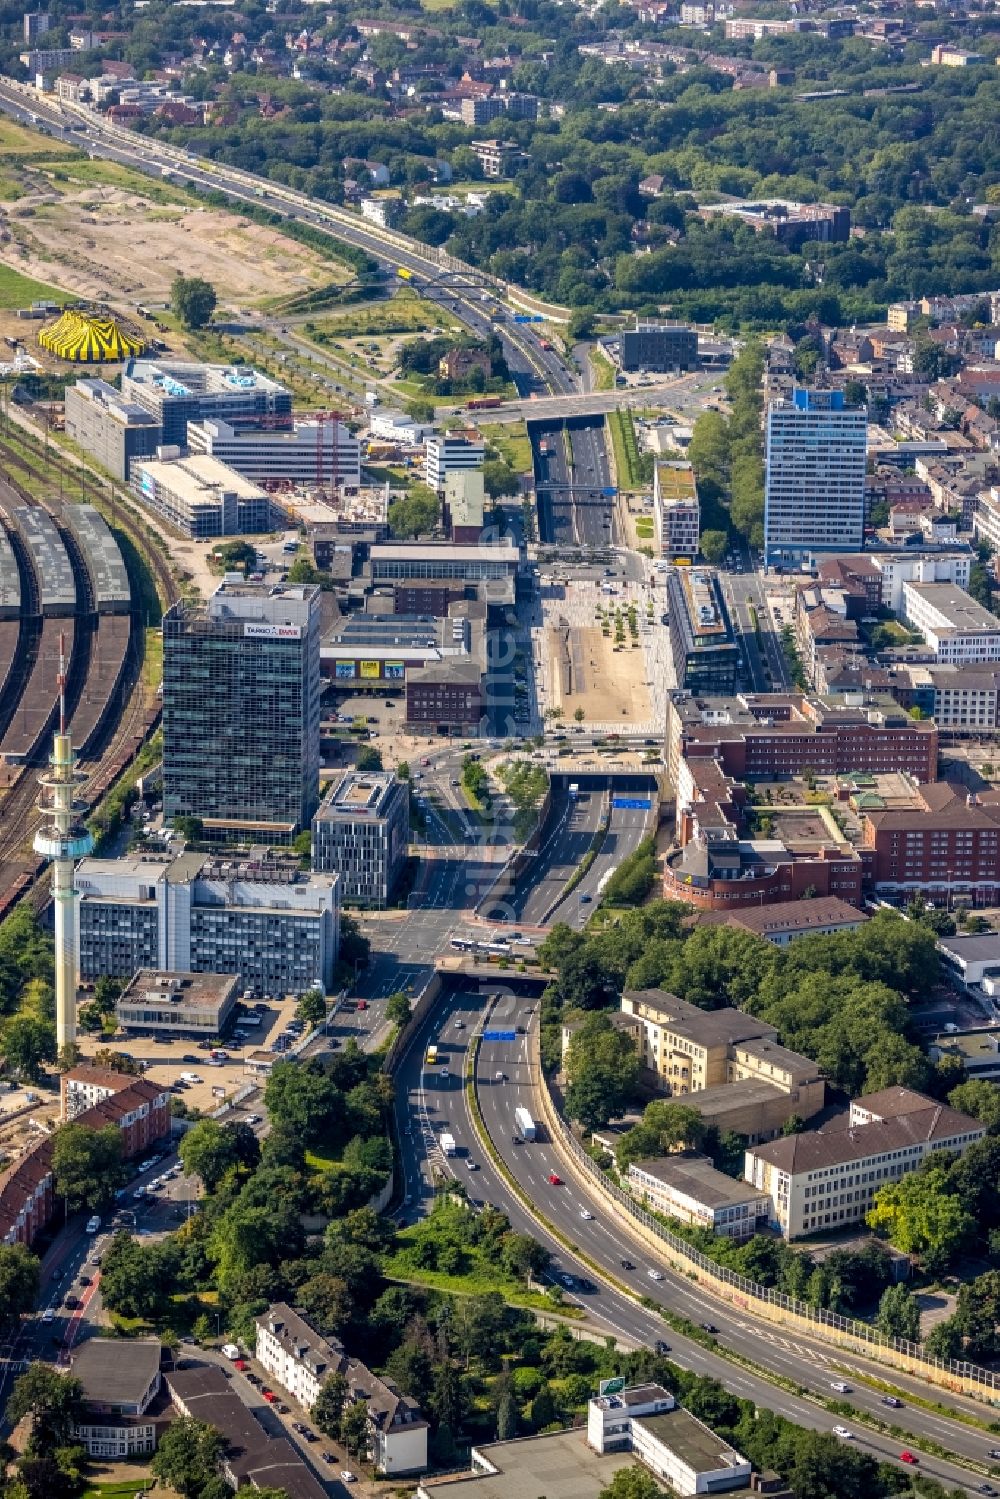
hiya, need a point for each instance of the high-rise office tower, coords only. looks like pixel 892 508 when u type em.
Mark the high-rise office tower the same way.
pixel 241 693
pixel 815 476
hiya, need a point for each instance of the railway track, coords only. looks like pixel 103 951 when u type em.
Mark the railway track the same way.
pixel 19 819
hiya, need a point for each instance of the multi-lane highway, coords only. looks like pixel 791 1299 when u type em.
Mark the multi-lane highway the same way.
pixel 432 1099
pixel 627 826
pixel 573 480
pixel 569 831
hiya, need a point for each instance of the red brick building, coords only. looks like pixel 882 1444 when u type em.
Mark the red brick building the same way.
pixel 856 576
pixel 26 1196
pixel 945 846
pixel 735 876
pixel 139 1109
pixel 759 737
pixel 446 694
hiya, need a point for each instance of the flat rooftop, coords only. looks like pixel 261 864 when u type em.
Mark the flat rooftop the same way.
pixel 53 569
pixel 971 949
pixel 10 578
pixel 413 631
pixel 702 598
pixel 695 1177
pixel 185 990
pixel 101 553
pixel 176 379
pixel 358 795
pixel 676 482
pixel 100 393
pixel 197 480
pixel 695 1444
pixel 559 1465
pixel 957 608
pixel 503 551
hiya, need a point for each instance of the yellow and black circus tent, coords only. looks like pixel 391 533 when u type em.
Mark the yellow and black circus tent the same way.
pixel 92 335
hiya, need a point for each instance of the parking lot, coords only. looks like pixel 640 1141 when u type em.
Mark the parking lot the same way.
pixel 186 1064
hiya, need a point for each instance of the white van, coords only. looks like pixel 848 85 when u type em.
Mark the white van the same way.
pixel 93 1224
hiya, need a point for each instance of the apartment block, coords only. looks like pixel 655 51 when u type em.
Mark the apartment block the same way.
pixel 725 1063
pixel 676 510
pixel 815 456
pixel 826 1179
pixel 112 430
pixel 361 833
pixel 258 917
pixel 497 157
pixel 241 703
pixel 301 1360
pixel 958 629
pixel 687 1187
pixel 321 453
pixel 138 1109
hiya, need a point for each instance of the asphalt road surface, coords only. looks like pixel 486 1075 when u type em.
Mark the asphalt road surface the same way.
pixel 568 833
pixel 627 827
pixel 430 1102
pixel 571 475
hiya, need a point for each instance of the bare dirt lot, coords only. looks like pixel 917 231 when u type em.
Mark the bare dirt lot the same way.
pixel 588 673
pixel 108 243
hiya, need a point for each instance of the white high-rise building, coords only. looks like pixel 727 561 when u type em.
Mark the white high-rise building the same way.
pixel 815 477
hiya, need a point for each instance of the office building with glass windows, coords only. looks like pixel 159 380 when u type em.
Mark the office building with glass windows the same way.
pixel 814 496
pixel 258 916
pixel 361 832
pixel 241 704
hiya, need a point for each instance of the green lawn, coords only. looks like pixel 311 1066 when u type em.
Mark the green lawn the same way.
pixel 126 1489
pixel 395 1267
pixel 511 441
pixel 626 449
pixel 18 140
pixel 17 290
pixel 113 174
pixel 403 313
pixel 317 1161
pixel 604 370
pixel 476 185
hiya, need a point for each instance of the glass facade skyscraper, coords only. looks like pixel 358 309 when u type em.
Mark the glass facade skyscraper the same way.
pixel 241 702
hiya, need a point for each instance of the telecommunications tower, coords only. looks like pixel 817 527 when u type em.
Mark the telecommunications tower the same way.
pixel 63 839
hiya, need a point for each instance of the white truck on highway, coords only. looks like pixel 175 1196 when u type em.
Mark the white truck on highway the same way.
pixel 524 1124
pixel 448 1143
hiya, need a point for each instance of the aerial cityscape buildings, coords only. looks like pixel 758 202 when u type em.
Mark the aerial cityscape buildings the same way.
pixel 509 644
